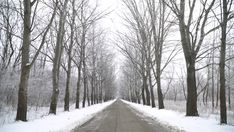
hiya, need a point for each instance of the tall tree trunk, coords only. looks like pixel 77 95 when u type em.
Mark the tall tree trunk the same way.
pixel 217 92
pixel 151 90
pixel 223 109
pixel 158 74
pixel 93 87
pixel 67 91
pixel 190 59
pixel 78 87
pixel 191 109
pixel 83 54
pixel 146 90
pixel 88 95
pixel 143 94
pixel 84 84
pixel 97 92
pixel 212 78
pixel 92 91
pixel 57 59
pixel 25 66
pixel 229 83
pixel 101 91
pixel 159 91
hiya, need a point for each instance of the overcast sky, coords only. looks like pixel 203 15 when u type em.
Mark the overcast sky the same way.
pixel 112 23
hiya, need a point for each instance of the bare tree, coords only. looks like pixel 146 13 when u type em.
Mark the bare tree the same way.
pixel 7 29
pixel 225 16
pixel 57 57
pixel 159 19
pixel 191 41
pixel 69 61
pixel 25 64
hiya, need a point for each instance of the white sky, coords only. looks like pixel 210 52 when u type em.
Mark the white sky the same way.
pixel 112 23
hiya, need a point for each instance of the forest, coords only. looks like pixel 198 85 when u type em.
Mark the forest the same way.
pixel 170 54
pixel 181 51
pixel 52 52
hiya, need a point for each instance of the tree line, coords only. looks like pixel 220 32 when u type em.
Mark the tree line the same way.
pixel 62 37
pixel 150 47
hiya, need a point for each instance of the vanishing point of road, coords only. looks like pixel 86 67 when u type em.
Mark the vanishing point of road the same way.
pixel 119 117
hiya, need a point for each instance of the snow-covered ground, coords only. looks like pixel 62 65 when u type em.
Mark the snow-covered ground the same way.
pixel 180 121
pixel 64 121
pixel 8 113
pixel 205 111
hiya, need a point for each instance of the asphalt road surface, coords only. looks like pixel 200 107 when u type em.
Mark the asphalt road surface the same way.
pixel 119 117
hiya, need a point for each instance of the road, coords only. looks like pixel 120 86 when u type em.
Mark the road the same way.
pixel 119 117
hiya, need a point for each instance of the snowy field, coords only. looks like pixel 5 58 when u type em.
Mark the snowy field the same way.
pixel 63 121
pixel 178 120
pixel 205 111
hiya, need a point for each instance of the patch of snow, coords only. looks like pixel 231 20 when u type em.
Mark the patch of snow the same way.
pixel 180 121
pixel 64 121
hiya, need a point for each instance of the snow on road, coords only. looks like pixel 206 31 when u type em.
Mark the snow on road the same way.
pixel 179 120
pixel 64 121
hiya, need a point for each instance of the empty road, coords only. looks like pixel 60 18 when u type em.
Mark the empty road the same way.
pixel 120 118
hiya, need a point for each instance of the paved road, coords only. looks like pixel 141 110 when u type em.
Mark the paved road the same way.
pixel 120 118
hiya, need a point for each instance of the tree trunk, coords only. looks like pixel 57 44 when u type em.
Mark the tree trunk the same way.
pixel 160 95
pixel 158 80
pixel 88 96
pixel 67 91
pixel 25 66
pixel 92 89
pixel 78 87
pixel 217 92
pixel 146 90
pixel 100 89
pixel 223 109
pixel 229 86
pixel 190 59
pixel 151 91
pixel 97 91
pixel 57 59
pixel 85 85
pixel 84 65
pixel 191 109
pixel 143 94
pixel 212 79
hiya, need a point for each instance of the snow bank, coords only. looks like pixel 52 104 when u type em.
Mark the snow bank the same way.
pixel 64 121
pixel 180 121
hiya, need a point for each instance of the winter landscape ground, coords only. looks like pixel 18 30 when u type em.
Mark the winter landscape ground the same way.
pixel 113 116
pixel 117 65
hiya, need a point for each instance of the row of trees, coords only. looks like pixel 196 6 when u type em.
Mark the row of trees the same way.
pixel 150 47
pixel 63 35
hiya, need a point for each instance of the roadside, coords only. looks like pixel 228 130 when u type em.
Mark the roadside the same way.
pixel 179 120
pixel 64 121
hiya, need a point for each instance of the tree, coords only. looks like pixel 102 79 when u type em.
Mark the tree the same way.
pixel 69 61
pixel 159 17
pixel 25 64
pixel 78 64
pixel 191 41
pixel 87 17
pixel 149 23
pixel 7 30
pixel 140 28
pixel 57 58
pixel 226 7
pixel 25 69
